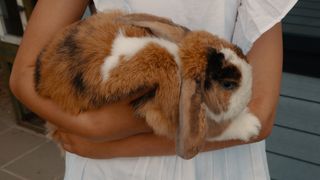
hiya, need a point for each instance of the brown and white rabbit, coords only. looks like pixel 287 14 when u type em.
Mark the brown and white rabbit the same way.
pixel 198 80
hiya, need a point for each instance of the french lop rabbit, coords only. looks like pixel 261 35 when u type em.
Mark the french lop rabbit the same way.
pixel 199 82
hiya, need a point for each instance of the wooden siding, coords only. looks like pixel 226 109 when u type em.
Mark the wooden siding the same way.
pixel 304 19
pixel 301 35
pixel 293 148
pixel 301 27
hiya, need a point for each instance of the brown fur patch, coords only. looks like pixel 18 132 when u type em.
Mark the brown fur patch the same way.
pixel 192 123
pixel 160 27
pixel 152 67
pixel 37 73
pixel 144 17
pixel 69 44
pixel 215 129
pixel 78 83
pixel 137 103
pixel 70 66
pixel 194 111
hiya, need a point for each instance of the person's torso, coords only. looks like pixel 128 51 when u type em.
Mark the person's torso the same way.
pixel 215 16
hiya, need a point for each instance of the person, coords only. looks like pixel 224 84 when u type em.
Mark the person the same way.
pixel 110 143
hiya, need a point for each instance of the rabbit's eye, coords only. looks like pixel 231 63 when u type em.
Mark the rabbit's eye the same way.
pixel 228 85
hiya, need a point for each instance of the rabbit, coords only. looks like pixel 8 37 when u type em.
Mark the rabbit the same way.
pixel 100 61
pixel 198 81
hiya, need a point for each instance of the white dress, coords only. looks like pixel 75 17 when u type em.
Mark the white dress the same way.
pixel 239 21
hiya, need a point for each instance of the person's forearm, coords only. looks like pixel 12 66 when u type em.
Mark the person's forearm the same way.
pixel 143 145
pixel 153 145
pixel 42 26
pixel 146 144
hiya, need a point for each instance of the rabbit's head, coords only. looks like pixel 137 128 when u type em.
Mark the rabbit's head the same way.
pixel 216 86
pixel 216 79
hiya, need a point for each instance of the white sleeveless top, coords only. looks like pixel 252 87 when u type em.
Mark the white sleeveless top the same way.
pixel 240 22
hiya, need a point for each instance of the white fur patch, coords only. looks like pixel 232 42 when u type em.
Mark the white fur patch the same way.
pixel 129 46
pixel 241 97
pixel 243 127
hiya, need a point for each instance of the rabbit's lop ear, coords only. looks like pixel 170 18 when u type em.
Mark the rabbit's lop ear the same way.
pixel 160 27
pixel 192 123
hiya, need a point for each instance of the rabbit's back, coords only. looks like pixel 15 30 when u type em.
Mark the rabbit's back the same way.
pixel 68 70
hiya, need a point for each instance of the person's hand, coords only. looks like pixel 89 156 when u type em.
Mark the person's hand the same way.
pixel 114 121
pixel 145 144
pixel 82 146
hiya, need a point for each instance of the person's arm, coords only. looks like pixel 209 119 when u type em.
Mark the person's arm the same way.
pixel 111 122
pixel 266 60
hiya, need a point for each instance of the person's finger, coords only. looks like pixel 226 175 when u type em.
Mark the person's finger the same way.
pixel 67 147
pixel 66 142
pixel 56 135
pixel 60 129
pixel 64 138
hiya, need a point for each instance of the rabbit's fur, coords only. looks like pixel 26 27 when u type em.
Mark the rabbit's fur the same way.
pixel 198 81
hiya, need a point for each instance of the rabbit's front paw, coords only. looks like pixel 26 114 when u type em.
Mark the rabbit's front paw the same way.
pixel 243 127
